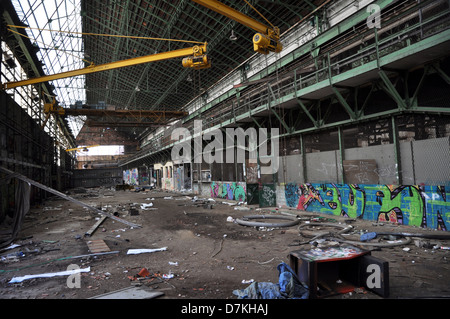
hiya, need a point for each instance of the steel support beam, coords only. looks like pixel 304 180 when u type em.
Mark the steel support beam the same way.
pixel 344 103
pixel 392 91
pixel 398 162
pixel 316 123
pixel 341 153
pixel 442 74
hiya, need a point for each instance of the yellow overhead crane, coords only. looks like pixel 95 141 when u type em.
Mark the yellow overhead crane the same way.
pixel 195 57
pixel 159 116
pixel 266 40
pixel 83 148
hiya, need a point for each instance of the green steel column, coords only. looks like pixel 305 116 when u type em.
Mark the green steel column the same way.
pixel 302 150
pixel 341 153
pixel 397 156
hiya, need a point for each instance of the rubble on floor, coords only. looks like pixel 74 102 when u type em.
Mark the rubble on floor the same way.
pixel 202 244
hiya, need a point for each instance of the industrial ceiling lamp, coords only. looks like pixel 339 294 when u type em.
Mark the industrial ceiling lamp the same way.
pixel 233 36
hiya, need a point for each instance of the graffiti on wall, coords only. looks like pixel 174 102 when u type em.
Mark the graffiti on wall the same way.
pixel 134 179
pixel 231 190
pixel 131 177
pixel 267 195
pixel 126 177
pixel 414 205
pixel 167 183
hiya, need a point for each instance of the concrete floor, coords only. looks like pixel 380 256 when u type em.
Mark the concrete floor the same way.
pixel 204 254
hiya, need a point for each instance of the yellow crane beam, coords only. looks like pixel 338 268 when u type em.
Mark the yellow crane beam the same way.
pixel 126 113
pixel 158 116
pixel 198 61
pixel 267 38
pixel 234 15
pixel 83 148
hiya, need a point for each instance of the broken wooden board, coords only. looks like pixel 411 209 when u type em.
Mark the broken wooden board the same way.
pixel 97 246
pixel 130 293
pixel 95 226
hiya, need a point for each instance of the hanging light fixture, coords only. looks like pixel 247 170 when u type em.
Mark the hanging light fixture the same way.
pixel 233 37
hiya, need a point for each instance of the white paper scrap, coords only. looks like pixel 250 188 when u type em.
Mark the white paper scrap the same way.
pixel 140 251
pixel 48 275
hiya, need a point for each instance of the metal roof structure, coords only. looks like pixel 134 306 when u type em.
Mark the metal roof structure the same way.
pixel 134 28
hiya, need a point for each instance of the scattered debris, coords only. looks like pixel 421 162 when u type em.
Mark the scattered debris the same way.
pixel 230 219
pixel 95 226
pixel 144 272
pixel 131 293
pixel 12 246
pixel 168 276
pixel 12 257
pixel 124 187
pixel 289 286
pixel 148 207
pixel 141 275
pixel 242 208
pixel 229 204
pixel 97 246
pixel 141 251
pixel 246 221
pixel 58 193
pixel 48 275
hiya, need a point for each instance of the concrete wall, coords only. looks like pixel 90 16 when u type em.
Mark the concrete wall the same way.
pixel 97 177
pixel 167 177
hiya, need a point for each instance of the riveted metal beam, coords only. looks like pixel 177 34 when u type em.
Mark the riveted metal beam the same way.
pixel 316 123
pixel 391 90
pixel 344 103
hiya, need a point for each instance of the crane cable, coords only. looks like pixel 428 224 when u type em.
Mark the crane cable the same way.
pixel 91 34
pixel 54 48
pixel 106 35
pixel 273 27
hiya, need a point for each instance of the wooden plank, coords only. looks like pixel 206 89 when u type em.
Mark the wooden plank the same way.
pixel 95 226
pixel 97 246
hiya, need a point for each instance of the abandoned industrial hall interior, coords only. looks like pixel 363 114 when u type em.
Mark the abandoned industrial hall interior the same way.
pixel 230 151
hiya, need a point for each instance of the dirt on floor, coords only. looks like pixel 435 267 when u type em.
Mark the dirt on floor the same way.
pixel 200 251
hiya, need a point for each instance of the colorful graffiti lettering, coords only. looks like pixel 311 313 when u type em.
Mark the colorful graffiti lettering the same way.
pixel 422 206
pixel 232 191
pixel 134 180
